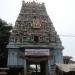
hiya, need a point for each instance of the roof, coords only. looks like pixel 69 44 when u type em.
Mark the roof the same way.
pixel 66 67
pixel 32 21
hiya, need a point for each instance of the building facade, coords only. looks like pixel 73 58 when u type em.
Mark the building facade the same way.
pixel 34 40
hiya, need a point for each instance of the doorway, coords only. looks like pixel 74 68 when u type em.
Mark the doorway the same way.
pixel 36 68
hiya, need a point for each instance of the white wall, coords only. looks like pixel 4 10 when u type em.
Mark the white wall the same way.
pixel 14 59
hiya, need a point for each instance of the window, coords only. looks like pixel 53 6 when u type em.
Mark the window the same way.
pixel 36 39
pixel 34 17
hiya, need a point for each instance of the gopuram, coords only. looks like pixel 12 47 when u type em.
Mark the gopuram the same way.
pixel 34 41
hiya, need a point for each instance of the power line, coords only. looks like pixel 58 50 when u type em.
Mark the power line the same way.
pixel 67 35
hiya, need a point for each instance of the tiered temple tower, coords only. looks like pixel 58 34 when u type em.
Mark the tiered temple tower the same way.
pixel 34 40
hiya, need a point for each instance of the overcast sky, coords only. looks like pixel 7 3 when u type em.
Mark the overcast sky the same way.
pixel 61 12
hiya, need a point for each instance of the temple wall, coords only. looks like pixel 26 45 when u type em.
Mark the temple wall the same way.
pixel 56 57
pixel 14 59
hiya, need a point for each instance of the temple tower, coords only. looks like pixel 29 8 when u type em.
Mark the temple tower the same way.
pixel 34 40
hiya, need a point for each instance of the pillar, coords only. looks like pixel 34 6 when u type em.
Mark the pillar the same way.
pixel 25 70
pixel 49 67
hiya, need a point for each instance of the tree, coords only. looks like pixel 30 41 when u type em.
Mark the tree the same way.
pixel 4 38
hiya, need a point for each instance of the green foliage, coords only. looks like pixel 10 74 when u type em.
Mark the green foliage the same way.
pixel 29 70
pixel 4 33
pixel 4 38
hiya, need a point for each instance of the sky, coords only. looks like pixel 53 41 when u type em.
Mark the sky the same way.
pixel 61 12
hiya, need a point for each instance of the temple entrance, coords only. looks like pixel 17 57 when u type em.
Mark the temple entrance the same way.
pixel 37 61
pixel 37 68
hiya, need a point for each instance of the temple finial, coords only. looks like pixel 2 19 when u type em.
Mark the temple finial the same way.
pixel 23 2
